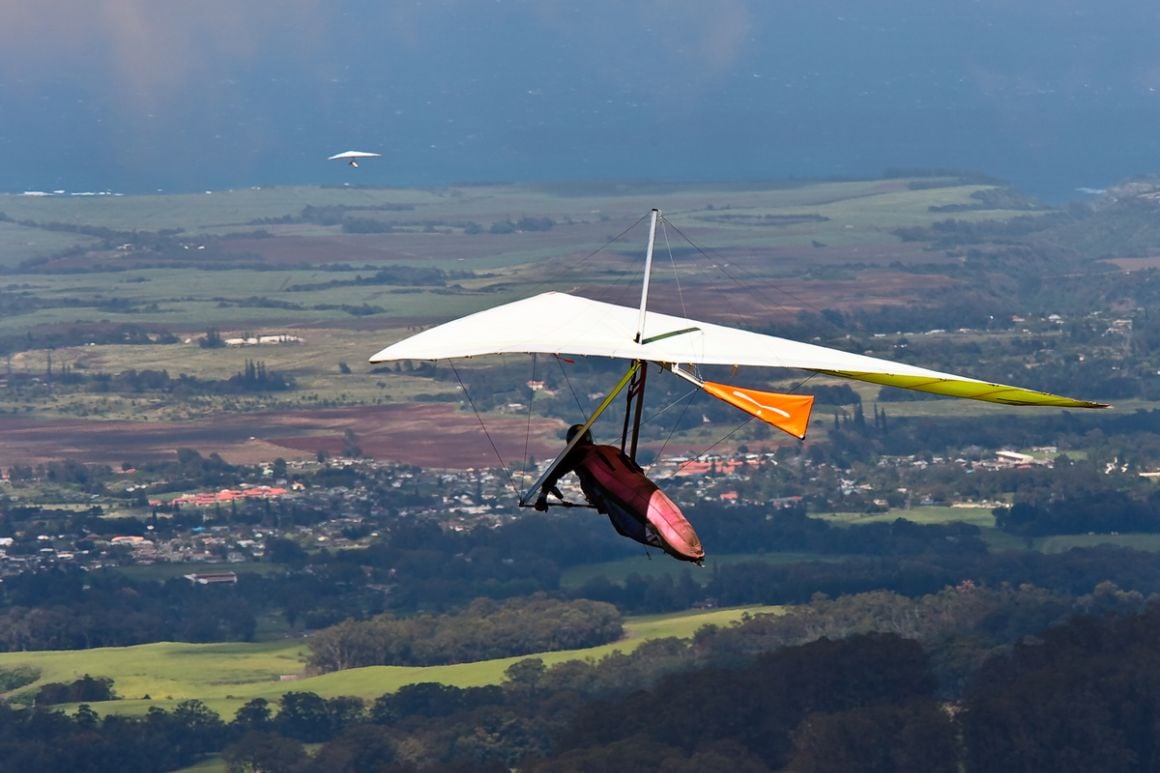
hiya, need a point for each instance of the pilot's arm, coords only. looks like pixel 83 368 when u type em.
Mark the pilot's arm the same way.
pixel 542 499
pixel 549 484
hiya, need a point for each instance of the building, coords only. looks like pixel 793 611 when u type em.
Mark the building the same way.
pixel 213 578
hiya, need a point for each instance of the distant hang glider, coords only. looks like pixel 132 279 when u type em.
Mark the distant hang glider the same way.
pixel 352 156
pixel 561 324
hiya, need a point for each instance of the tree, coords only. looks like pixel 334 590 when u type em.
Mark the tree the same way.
pixel 285 551
pixel 425 699
pixel 201 730
pixel 524 675
pixel 358 749
pixel 88 689
pixel 86 718
pixel 350 446
pixel 264 753
pixel 345 711
pixel 918 737
pixel 212 339
pixel 254 716
pixel 304 716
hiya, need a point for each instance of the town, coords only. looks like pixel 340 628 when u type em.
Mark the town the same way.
pixel 208 531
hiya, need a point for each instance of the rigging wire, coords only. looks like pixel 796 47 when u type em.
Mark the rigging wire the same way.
pixel 528 427
pixel 479 418
pixel 628 284
pixel 738 280
pixel 688 403
pixel 573 266
pixel 716 443
pixel 571 386
pixel 749 287
pixel 614 238
pixel 659 412
pixel 673 264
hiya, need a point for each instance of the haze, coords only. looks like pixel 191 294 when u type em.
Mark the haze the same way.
pixel 136 96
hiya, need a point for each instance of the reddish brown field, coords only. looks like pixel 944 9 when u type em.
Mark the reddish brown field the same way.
pixel 769 301
pixel 424 435
pixel 289 250
pixel 1136 264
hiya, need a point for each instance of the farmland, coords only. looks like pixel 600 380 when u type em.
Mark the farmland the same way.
pixel 84 274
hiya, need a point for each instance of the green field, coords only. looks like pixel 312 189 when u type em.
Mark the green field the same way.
pixel 167 571
pixel 225 676
pixel 620 571
pixel 927 514
pixel 1063 542
pixel 996 540
pixel 199 212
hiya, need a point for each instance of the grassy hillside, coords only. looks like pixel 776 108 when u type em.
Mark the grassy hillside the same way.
pixel 225 676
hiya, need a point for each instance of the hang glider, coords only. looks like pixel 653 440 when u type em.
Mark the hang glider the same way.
pixel 352 156
pixel 562 324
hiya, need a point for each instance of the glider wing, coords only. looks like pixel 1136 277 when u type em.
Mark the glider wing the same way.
pixel 558 323
pixel 354 154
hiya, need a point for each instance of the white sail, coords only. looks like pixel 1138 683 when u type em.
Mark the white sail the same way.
pixel 558 323
pixel 353 154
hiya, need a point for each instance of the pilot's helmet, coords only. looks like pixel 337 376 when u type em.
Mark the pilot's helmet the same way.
pixel 575 429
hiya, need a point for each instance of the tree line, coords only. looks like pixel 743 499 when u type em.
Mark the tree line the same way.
pixel 484 630
pixel 254 377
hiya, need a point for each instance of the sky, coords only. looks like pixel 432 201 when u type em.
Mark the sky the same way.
pixel 185 95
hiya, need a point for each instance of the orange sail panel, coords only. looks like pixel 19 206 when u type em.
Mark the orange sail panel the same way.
pixel 789 413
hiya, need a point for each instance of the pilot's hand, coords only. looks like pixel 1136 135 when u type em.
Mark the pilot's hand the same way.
pixel 542 503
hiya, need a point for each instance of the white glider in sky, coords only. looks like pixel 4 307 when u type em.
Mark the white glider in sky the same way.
pixel 352 156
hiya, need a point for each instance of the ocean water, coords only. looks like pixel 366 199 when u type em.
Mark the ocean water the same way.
pixel 1051 95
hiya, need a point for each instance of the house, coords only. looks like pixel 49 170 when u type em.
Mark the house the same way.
pixel 1014 457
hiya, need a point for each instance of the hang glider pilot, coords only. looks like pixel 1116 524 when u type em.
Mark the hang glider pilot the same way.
pixel 352 156
pixel 616 486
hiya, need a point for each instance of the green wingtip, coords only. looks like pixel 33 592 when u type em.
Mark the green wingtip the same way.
pixel 969 389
